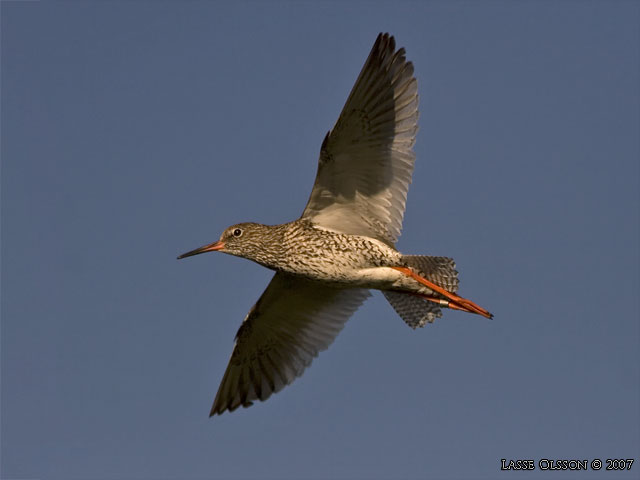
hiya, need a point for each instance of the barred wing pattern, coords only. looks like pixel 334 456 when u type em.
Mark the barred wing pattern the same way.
pixel 366 160
pixel 291 323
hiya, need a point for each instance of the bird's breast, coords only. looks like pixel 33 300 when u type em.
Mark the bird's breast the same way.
pixel 336 257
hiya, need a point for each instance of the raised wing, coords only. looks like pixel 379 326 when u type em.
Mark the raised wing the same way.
pixel 366 160
pixel 291 323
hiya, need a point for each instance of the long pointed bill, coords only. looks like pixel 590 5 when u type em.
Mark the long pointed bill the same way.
pixel 212 247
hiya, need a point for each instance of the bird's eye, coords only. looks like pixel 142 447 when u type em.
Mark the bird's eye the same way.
pixel 237 232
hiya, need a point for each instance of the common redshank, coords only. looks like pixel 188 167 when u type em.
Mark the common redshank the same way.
pixel 342 245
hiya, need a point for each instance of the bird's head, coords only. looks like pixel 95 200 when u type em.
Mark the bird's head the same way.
pixel 246 240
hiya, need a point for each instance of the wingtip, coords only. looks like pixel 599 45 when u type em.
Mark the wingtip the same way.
pixel 216 409
pixel 385 41
pixel 325 141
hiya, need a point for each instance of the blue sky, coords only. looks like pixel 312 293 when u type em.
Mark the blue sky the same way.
pixel 135 131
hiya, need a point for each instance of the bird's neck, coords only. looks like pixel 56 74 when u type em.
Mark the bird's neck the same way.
pixel 268 252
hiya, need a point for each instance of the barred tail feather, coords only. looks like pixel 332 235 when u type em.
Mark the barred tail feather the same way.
pixel 439 270
pixel 415 311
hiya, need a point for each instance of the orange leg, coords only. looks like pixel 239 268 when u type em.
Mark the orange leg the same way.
pixel 444 303
pixel 455 302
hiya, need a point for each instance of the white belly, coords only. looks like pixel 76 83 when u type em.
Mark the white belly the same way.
pixel 380 278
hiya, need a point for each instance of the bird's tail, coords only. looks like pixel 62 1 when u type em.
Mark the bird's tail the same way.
pixel 415 310
pixel 439 270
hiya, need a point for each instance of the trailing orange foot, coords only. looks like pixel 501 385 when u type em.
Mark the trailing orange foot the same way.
pixel 455 302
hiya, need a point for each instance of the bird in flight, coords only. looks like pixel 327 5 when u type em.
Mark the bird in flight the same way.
pixel 343 244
